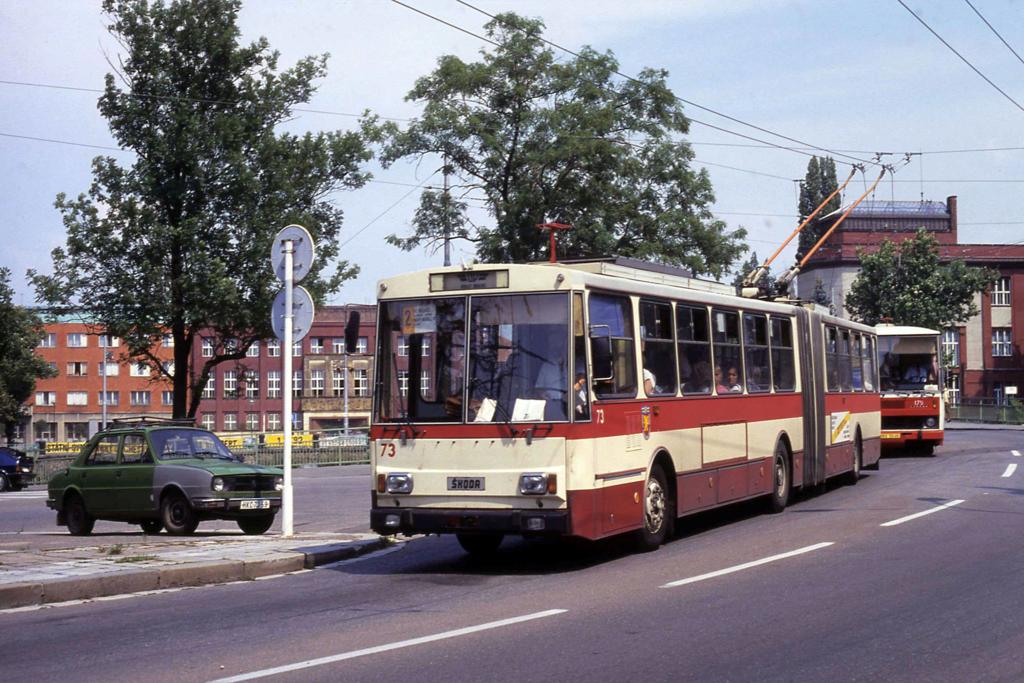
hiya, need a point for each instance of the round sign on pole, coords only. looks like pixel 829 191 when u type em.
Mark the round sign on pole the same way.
pixel 304 252
pixel 302 313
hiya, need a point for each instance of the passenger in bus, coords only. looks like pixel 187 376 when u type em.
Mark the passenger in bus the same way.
pixel 720 386
pixel 700 381
pixel 733 380
pixel 579 390
pixel 650 384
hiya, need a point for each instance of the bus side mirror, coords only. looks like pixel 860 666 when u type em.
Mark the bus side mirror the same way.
pixel 352 332
pixel 601 353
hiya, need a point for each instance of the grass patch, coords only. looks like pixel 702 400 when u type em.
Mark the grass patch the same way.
pixel 134 558
pixel 115 549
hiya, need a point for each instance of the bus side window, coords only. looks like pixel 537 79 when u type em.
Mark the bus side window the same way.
pixel 580 388
pixel 694 349
pixel 855 361
pixel 612 347
pixel 831 359
pixel 783 364
pixel 870 381
pixel 725 332
pixel 755 351
pixel 844 361
pixel 657 348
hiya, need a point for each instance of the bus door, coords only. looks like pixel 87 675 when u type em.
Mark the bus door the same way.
pixel 812 371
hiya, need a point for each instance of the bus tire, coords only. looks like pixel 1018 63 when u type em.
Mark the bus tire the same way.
pixel 853 476
pixel 781 479
pixel 927 449
pixel 480 545
pixel 658 510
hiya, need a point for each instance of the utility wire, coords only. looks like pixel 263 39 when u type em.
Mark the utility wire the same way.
pixel 382 213
pixel 630 78
pixel 964 59
pixel 993 29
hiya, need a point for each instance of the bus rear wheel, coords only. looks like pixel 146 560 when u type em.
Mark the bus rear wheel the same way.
pixel 858 461
pixel 781 483
pixel 658 510
pixel 480 545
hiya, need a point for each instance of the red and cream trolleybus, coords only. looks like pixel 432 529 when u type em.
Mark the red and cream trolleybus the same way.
pixel 596 398
pixel 913 410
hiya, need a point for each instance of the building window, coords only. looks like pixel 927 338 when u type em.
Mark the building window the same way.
pixel 230 384
pixel 253 350
pixel 338 345
pixel 953 389
pixel 77 341
pixel 112 398
pixel 108 342
pixel 230 422
pixel 208 421
pixel 360 382
pixel 316 344
pixel 297 383
pixel 210 390
pixel 403 382
pixel 207 349
pixel 252 385
pixel 252 422
pixel 316 382
pixel 362 343
pixel 167 398
pixel 951 348
pixel 139 370
pixel 1001 292
pixel 1002 345
pixel 297 348
pixel 274 348
pixel 168 367
pixel 274 384
pixel 230 345
pixel 48 341
pixel 426 347
pixel 76 431
pixel 78 398
pixel 338 382
pixel 273 422
pixel 109 369
pixel 168 341
pixel 403 345
pixel 139 398
pixel 78 369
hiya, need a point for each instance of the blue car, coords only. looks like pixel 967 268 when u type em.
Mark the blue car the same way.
pixel 16 469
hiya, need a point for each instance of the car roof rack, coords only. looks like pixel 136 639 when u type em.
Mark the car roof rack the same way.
pixel 151 421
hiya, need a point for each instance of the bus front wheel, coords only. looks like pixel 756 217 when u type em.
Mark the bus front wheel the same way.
pixel 658 510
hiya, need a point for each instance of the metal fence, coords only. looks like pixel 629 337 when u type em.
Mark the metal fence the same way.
pixel 987 410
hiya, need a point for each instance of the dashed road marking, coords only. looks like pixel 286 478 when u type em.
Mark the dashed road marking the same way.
pixel 748 565
pixel 901 520
pixel 1016 453
pixel 1010 469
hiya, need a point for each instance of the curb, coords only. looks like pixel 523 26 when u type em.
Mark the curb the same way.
pixel 29 593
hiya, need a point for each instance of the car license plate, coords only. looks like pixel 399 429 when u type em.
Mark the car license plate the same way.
pixel 465 483
pixel 255 504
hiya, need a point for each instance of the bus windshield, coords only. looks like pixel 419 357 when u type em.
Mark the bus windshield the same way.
pixel 907 363
pixel 515 368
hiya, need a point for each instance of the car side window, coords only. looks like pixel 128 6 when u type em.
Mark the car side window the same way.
pixel 134 450
pixel 104 452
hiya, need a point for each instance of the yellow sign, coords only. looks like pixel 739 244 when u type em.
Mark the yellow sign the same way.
pixel 840 426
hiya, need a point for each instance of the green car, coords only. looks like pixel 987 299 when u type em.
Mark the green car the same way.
pixel 163 475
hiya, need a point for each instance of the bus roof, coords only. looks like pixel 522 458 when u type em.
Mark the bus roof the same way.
pixel 889 330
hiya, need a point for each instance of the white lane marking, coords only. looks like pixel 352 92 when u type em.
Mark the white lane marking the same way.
pixel 1010 469
pixel 922 513
pixel 309 663
pixel 1016 454
pixel 748 565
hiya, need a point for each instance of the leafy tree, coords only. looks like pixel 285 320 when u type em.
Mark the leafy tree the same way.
pixel 767 282
pixel 179 241
pixel 20 367
pixel 905 283
pixel 538 140
pixel 819 183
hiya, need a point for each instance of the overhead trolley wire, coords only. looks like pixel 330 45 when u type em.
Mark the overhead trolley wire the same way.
pixel 962 58
pixel 993 29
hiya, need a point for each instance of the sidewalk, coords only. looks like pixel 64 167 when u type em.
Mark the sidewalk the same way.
pixel 32 575
pixel 961 424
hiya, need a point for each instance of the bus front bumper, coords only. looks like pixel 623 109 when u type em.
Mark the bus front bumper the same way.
pixel 410 521
pixel 901 437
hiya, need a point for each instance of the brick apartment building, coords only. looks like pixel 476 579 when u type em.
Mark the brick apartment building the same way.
pixel 986 352
pixel 244 395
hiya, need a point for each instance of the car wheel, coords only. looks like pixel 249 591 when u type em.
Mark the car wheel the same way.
pixel 177 515
pixel 480 545
pixel 781 482
pixel 151 526
pixel 658 511
pixel 5 484
pixel 254 526
pixel 79 521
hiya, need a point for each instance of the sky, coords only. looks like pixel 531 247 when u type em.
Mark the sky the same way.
pixel 852 78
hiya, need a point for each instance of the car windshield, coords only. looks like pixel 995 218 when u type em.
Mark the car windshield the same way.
pixel 171 444
pixel 907 363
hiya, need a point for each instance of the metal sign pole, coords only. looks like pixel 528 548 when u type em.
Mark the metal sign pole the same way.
pixel 286 495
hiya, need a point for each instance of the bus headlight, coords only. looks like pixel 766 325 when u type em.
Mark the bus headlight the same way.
pixel 931 422
pixel 399 482
pixel 537 483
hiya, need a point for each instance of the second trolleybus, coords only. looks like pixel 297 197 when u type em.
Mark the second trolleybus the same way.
pixel 911 376
pixel 596 398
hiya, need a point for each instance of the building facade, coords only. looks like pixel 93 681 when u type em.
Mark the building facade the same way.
pixel 984 355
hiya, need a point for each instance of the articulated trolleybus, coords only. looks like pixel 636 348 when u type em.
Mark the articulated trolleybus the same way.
pixel 913 411
pixel 595 398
